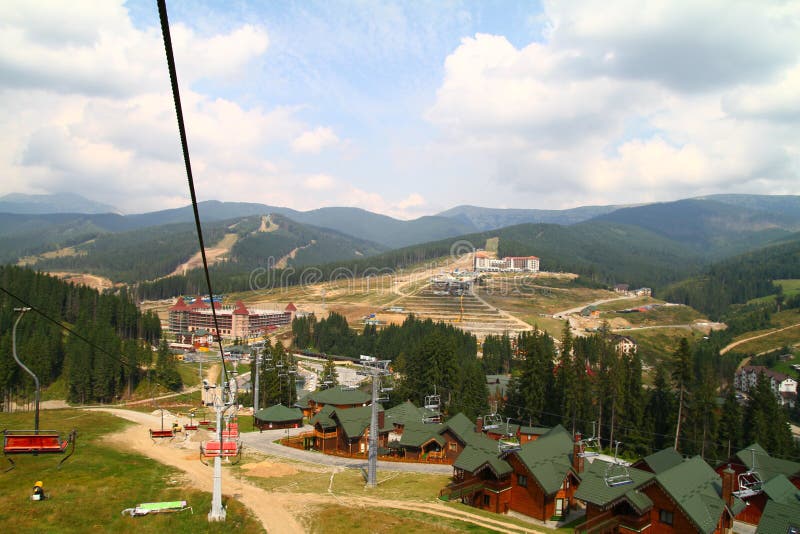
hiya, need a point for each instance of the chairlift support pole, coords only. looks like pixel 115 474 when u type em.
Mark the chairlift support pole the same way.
pixel 35 378
pixel 218 512
pixel 376 368
pixel 256 385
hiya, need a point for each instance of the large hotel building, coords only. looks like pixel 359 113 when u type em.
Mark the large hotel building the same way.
pixel 234 321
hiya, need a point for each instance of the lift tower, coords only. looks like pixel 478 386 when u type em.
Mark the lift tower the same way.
pixel 376 369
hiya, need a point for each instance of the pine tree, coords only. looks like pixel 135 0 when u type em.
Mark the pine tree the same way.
pixel 682 369
pixel 660 411
pixel 730 423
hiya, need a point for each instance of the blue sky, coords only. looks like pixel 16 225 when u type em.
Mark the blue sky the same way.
pixel 404 108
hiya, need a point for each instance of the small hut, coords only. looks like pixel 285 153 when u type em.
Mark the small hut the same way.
pixel 278 416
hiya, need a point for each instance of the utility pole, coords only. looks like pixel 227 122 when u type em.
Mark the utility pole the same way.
pixel 376 369
pixel 35 379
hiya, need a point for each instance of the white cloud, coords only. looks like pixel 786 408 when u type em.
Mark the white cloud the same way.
pixel 319 182
pixel 88 108
pixel 313 141
pixel 414 200
pixel 624 104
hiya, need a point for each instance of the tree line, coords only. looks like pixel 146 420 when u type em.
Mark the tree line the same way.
pixel 738 280
pixel 426 357
pixel 111 322
pixel 587 385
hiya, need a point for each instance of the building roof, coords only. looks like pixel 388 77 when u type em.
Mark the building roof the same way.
pixel 662 460
pixel 290 307
pixel 767 466
pixel 696 489
pixel 404 413
pixel 775 375
pixel 279 414
pixel 593 488
pixel 323 417
pixel 240 309
pixel 355 420
pixel 779 517
pixel 548 459
pixel 416 434
pixel 779 489
pixel 180 305
pixel 475 459
pixel 340 395
pixel 461 426
pixel 198 303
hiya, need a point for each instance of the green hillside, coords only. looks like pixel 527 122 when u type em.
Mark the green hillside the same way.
pixel 715 229
pixel 153 252
pixel 739 279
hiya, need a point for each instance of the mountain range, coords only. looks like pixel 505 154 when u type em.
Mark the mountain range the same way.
pixel 683 233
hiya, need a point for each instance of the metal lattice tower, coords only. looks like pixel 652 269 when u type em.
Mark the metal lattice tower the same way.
pixel 376 369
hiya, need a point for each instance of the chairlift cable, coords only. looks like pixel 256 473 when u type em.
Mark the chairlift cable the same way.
pixel 173 77
pixel 124 360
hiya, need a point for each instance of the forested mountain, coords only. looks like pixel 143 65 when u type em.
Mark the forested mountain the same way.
pixel 55 203
pixel 739 279
pixel 385 230
pixel 31 234
pixel 493 218
pixel 785 205
pixel 713 228
pixel 152 252
pixel 111 322
pixel 603 253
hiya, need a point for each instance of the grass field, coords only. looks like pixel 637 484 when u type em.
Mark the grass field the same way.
pixel 664 315
pixel 772 341
pixel 336 519
pixel 532 300
pixel 791 287
pixel 398 486
pixel 97 483
pixel 655 344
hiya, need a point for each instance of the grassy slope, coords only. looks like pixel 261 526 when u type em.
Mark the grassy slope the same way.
pixel 97 483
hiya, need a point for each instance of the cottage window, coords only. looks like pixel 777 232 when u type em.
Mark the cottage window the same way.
pixel 665 516
pixel 487 500
pixel 453 446
pixel 522 480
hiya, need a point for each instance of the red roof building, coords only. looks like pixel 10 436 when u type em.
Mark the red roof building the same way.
pixel 235 321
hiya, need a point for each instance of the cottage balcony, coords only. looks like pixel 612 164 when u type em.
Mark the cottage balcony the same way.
pixel 325 435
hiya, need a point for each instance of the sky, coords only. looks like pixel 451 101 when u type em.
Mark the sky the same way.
pixel 402 108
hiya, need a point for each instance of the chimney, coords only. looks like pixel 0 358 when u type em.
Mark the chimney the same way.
pixel 577 449
pixel 479 425
pixel 727 496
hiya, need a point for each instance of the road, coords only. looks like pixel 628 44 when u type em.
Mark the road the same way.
pixel 741 341
pixel 577 309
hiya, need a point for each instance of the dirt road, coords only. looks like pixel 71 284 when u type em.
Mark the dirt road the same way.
pixel 741 341
pixel 277 511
